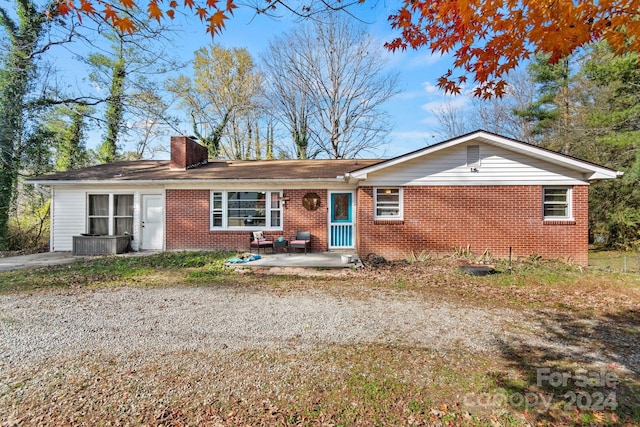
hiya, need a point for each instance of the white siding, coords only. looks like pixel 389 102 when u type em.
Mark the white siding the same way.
pixel 498 166
pixel 69 211
pixel 68 217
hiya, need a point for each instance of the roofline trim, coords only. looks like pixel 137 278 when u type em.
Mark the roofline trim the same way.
pixel 176 181
pixel 598 172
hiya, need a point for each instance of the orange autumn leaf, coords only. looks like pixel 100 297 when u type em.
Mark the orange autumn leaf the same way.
pixel 189 3
pixel 110 14
pixel 154 11
pixel 201 13
pixel 171 13
pixel 230 6
pixel 87 8
pixel 489 38
pixel 216 22
pixel 63 9
pixel 128 4
pixel 125 25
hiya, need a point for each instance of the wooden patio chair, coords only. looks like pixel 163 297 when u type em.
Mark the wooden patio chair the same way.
pixel 257 240
pixel 302 241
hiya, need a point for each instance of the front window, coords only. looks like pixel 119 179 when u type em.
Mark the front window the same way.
pixel 388 203
pixel 557 203
pixel 110 214
pixel 246 209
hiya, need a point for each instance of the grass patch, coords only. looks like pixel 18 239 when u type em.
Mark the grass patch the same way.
pixel 617 261
pixel 162 269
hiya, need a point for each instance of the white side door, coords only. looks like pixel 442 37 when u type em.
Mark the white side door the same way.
pixel 152 222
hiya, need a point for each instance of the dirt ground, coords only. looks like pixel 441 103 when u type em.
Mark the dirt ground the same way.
pixel 398 344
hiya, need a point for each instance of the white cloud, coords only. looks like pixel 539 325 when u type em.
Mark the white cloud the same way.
pixel 456 102
pixel 424 59
pixel 430 88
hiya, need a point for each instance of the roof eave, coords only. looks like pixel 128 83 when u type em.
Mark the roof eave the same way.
pixel 174 181
pixel 590 170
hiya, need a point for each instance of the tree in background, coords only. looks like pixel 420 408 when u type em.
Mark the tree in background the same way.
pixel 615 117
pixel 128 70
pixel 69 126
pixel 286 93
pixel 24 35
pixel 337 87
pixel 108 150
pixel 591 110
pixel 497 115
pixel 224 93
pixel 151 121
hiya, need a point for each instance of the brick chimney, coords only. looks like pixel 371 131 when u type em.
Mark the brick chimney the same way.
pixel 187 154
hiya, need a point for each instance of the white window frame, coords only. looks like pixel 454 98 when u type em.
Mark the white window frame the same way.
pixel 568 202
pixel 111 216
pixel 377 205
pixel 225 210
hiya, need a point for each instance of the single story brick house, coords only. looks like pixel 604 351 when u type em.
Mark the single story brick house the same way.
pixel 480 190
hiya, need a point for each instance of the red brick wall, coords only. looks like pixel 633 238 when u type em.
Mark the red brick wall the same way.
pixel 439 219
pixel 297 218
pixel 188 222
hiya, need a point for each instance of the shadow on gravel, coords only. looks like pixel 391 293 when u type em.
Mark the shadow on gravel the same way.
pixel 581 369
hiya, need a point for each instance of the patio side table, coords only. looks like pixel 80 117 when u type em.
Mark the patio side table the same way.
pixel 281 245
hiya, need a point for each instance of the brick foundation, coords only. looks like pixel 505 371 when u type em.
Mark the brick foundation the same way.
pixel 441 219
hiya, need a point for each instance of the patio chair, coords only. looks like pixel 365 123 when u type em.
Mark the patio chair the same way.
pixel 302 241
pixel 257 240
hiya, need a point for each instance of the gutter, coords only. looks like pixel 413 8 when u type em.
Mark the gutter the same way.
pixel 177 181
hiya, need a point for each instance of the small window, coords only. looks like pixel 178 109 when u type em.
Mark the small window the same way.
pixel 388 203
pixel 216 209
pixel 557 203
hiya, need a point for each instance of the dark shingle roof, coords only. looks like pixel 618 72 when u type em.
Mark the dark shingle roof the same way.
pixel 158 170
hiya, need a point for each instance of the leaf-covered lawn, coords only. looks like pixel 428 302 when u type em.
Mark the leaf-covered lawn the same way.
pixel 367 384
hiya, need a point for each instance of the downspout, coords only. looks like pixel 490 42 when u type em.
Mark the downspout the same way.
pixel 41 190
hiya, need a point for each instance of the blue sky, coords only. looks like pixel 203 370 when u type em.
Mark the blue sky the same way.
pixel 414 124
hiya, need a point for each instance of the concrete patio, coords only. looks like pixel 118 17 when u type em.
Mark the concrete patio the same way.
pixel 319 260
pixel 324 260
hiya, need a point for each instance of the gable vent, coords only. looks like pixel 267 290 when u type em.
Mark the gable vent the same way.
pixel 473 156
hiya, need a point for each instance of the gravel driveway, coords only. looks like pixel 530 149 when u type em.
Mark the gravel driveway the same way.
pixel 119 322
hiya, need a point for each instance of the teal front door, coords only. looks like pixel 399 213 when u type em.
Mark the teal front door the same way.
pixel 341 224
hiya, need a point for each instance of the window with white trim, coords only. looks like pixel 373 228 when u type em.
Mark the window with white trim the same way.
pixel 387 203
pixel 556 203
pixel 110 214
pixel 246 209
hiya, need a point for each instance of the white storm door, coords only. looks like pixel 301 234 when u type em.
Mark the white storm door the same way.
pixel 152 222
